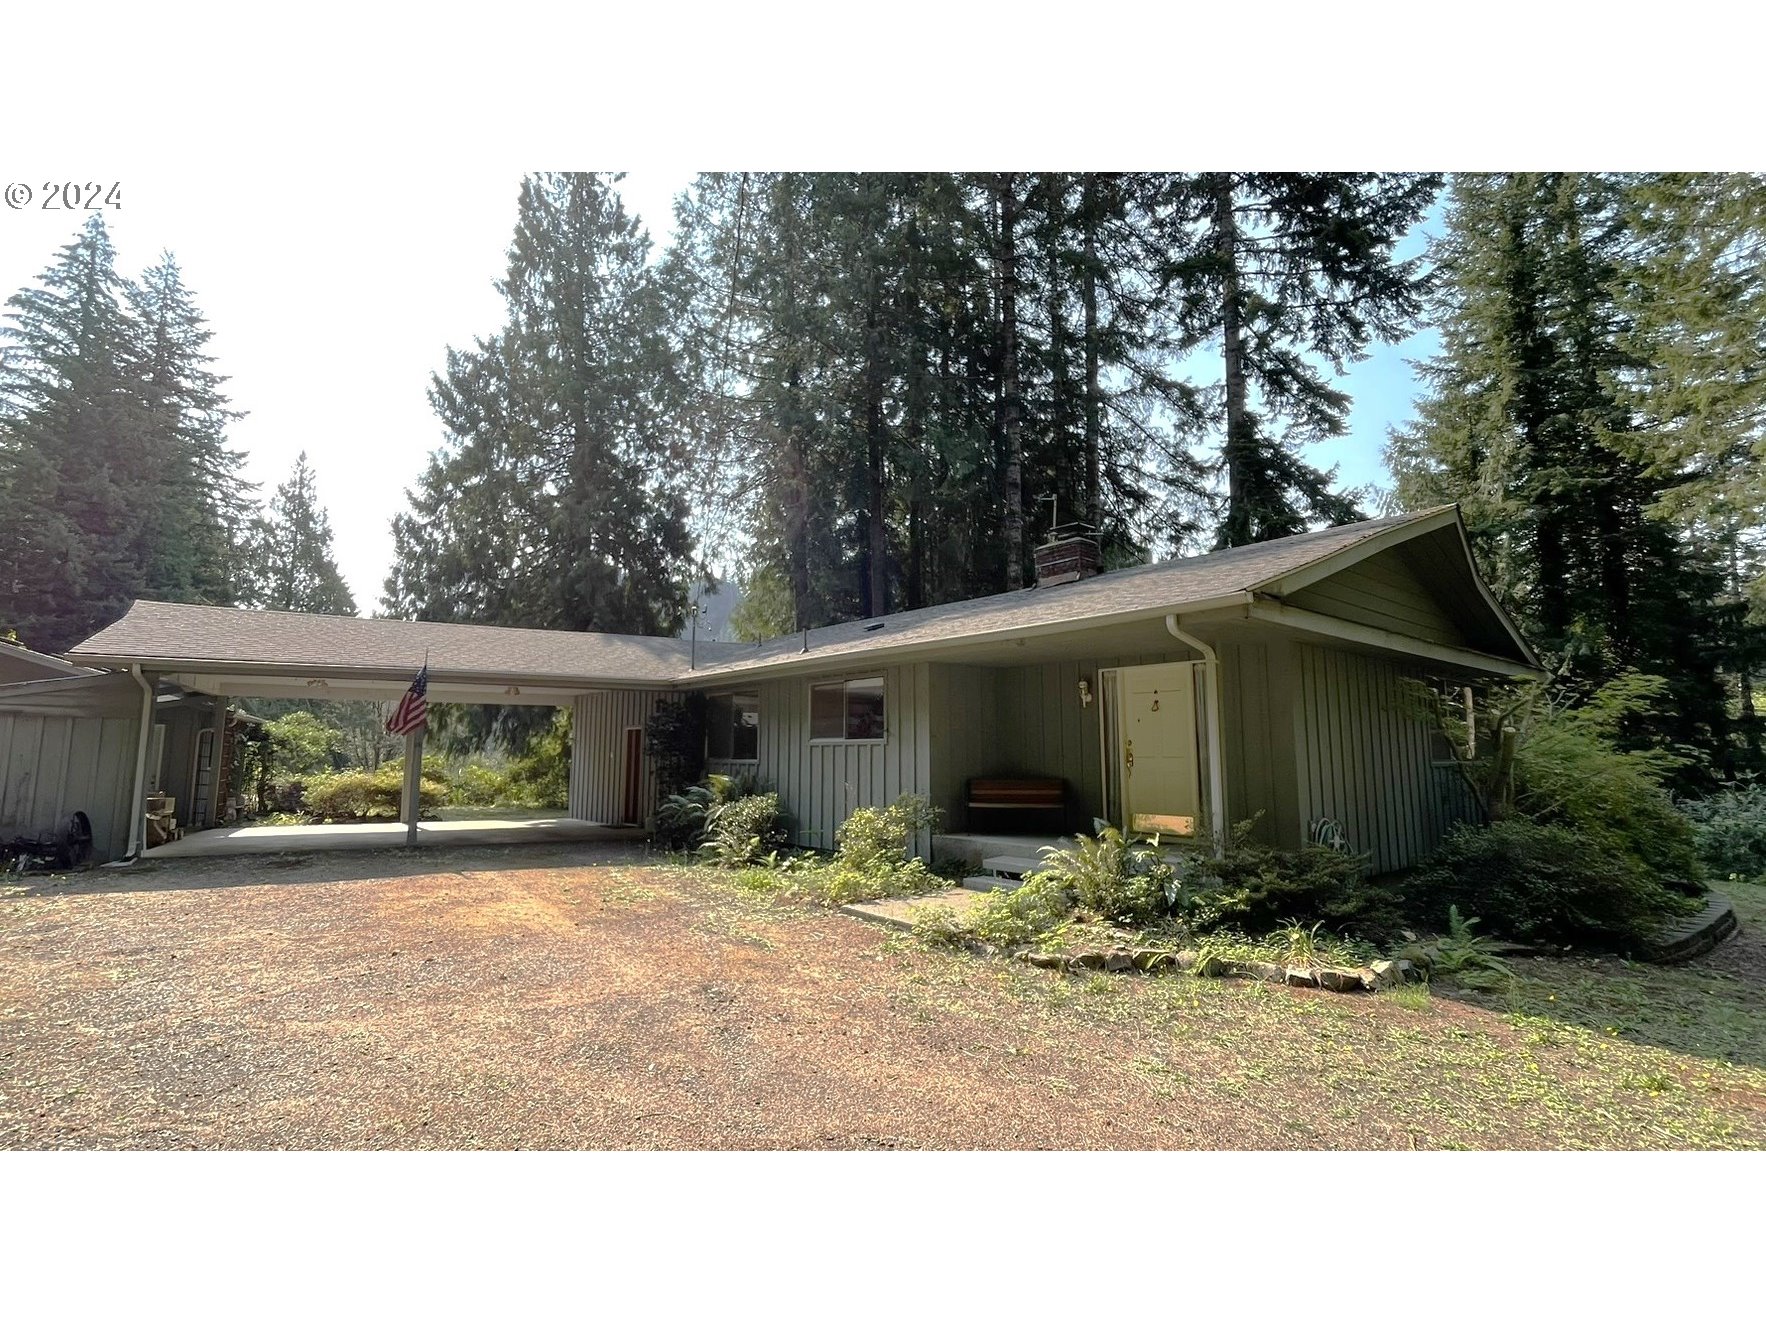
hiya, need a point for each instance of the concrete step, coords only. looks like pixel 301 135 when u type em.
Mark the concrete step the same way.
pixel 1017 865
pixel 991 882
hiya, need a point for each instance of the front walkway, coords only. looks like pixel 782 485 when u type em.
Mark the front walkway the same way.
pixel 516 830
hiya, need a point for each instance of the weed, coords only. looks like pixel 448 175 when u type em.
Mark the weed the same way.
pixel 1412 997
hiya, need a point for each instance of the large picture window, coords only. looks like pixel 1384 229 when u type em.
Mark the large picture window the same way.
pixel 732 727
pixel 847 710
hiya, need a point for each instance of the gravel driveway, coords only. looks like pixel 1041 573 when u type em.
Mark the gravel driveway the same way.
pixel 548 997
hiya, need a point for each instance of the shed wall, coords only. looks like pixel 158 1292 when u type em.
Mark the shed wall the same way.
pixel 1366 758
pixel 56 759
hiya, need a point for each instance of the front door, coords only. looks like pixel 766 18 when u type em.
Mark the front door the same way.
pixel 631 800
pixel 1161 757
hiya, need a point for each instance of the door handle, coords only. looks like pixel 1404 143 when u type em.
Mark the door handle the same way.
pixel 1129 755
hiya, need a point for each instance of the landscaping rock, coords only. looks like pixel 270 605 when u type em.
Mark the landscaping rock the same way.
pixel 1149 960
pixel 1046 960
pixel 1089 960
pixel 1118 960
pixel 1388 974
pixel 1340 981
pixel 1186 959
pixel 1301 976
pixel 1264 970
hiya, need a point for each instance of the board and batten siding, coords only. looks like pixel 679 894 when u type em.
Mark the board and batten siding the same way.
pixel 64 753
pixel 598 723
pixel 820 783
pixel 1385 593
pixel 1366 758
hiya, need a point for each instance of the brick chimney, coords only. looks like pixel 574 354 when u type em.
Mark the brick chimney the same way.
pixel 1071 553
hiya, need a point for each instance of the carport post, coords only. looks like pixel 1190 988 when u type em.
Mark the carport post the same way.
pixel 412 794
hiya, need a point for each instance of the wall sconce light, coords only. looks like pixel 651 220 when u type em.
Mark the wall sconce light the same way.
pixel 1084 693
pixel 511 690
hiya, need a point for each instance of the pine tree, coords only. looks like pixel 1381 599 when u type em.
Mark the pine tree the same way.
pixel 557 500
pixel 1288 273
pixel 293 564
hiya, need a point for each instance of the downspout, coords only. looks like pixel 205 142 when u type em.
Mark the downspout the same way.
pixel 1213 708
pixel 138 803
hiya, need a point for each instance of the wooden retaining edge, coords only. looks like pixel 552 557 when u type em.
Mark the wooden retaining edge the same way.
pixel 1697 935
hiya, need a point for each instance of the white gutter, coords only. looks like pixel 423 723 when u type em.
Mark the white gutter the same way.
pixel 1212 708
pixel 138 802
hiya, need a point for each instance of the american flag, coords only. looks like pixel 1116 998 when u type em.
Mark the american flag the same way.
pixel 412 714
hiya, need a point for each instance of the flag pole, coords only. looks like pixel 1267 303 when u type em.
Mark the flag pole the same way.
pixel 413 788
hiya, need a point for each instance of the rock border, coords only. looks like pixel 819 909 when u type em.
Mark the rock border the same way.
pixel 1149 960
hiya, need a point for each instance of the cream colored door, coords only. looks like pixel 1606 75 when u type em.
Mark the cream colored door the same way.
pixel 1161 765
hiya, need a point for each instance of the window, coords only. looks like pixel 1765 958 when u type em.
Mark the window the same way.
pixel 847 710
pixel 732 727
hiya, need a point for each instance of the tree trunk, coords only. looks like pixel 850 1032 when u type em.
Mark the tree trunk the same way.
pixel 1094 412
pixel 1011 407
pixel 1240 526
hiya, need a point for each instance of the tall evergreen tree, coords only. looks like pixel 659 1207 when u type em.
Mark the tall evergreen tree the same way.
pixel 1529 425
pixel 199 506
pixel 116 481
pixel 293 565
pixel 1286 274
pixel 73 533
pixel 558 498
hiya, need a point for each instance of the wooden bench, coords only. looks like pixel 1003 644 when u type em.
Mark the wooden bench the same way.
pixel 1038 795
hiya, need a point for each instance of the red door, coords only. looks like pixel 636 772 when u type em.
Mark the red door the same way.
pixel 631 799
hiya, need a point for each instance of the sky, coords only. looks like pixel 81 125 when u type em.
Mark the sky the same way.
pixel 329 320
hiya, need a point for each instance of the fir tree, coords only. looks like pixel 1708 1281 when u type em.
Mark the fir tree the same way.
pixel 200 506
pixel 558 498
pixel 293 564
pixel 1528 424
pixel 73 529
pixel 1287 273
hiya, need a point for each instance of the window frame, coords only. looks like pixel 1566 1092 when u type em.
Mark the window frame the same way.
pixel 876 678
pixel 731 696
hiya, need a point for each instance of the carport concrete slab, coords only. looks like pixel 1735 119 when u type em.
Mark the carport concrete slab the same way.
pixel 260 840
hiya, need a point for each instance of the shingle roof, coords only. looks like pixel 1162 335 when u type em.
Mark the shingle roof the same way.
pixel 206 637
pixel 1145 589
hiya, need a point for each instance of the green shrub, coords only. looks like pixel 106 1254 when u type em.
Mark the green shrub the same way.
pixel 876 840
pixel 1126 882
pixel 343 796
pixel 1729 830
pixel 739 832
pixel 303 745
pixel 1259 889
pixel 479 786
pixel 1035 913
pixel 539 777
pixel 674 741
pixel 1543 882
pixel 1571 770
pixel 680 819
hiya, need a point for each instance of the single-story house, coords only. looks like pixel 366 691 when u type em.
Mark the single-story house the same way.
pixel 1265 682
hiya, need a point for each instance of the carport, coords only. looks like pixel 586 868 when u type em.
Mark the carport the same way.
pixel 611 684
